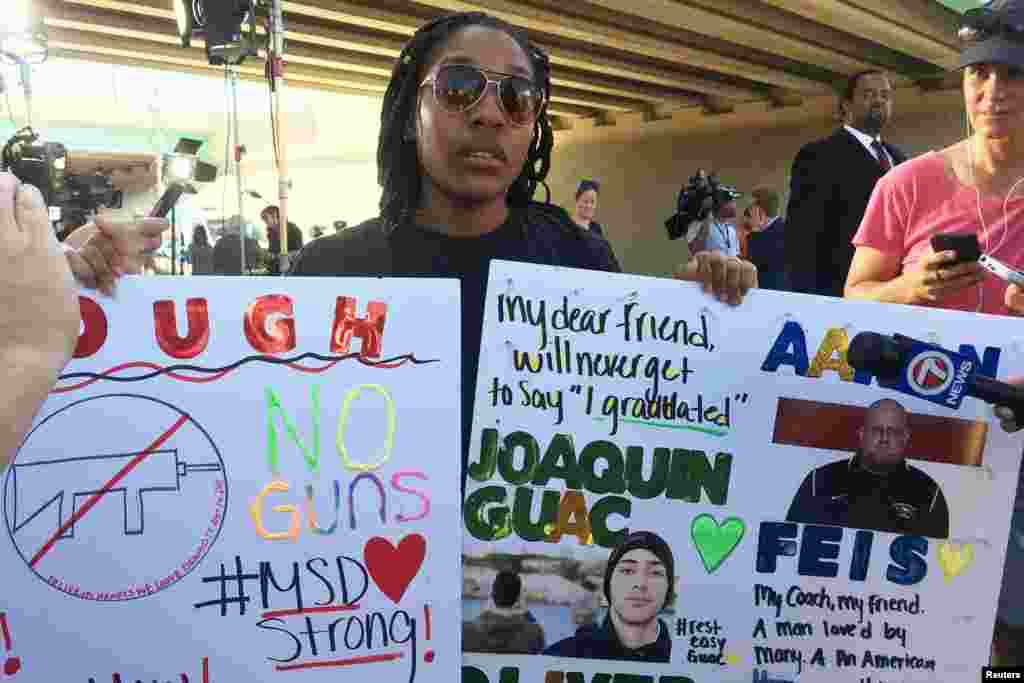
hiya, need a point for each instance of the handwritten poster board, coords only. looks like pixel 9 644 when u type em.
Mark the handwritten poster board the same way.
pixel 662 488
pixel 242 480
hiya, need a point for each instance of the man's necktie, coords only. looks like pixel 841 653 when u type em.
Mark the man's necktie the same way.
pixel 883 158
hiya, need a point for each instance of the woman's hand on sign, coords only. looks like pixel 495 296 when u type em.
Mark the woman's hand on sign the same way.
pixel 37 292
pixel 1014 299
pixel 101 252
pixel 935 276
pixel 727 278
pixel 1007 420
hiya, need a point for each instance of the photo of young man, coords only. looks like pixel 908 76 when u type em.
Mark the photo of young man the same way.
pixel 638 585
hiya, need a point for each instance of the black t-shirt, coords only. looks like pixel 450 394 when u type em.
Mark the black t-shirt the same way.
pixel 845 493
pixel 541 233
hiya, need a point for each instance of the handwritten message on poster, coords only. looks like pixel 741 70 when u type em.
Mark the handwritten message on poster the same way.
pixel 242 480
pixel 663 488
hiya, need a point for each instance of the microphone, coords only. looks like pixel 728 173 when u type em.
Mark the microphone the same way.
pixel 928 371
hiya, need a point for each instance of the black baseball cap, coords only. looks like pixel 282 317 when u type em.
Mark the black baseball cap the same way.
pixel 994 34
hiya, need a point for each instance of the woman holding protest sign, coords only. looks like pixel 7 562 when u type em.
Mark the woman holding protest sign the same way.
pixel 459 166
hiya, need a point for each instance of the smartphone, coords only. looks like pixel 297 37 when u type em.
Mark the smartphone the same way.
pixel 167 201
pixel 964 244
pixel 1001 270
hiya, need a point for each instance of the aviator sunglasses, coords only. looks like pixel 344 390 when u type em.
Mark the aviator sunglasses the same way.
pixel 460 87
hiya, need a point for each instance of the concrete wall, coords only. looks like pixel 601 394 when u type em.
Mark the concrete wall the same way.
pixel 641 176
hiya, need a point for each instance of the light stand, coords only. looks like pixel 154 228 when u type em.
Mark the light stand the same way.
pixel 220 23
pixel 23 42
pixel 239 152
pixel 275 61
pixel 174 241
pixel 25 72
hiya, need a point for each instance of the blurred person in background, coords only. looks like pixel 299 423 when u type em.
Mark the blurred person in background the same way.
pixel 743 230
pixel 227 252
pixel 586 206
pixel 200 253
pixel 583 215
pixel 272 218
pixel 766 241
pixel 720 233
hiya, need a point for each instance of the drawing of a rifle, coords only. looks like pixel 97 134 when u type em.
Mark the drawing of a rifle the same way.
pixel 77 479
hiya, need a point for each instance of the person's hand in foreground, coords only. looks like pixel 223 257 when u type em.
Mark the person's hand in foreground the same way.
pixel 727 278
pixel 38 298
pixel 103 251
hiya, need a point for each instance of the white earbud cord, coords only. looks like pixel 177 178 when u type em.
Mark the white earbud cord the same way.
pixel 981 218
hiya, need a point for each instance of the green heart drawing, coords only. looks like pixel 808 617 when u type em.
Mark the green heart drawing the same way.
pixel 715 542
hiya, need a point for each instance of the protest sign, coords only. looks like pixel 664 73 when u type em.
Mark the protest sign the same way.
pixel 666 489
pixel 242 480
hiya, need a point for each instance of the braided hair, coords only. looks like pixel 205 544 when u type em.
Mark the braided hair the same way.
pixel 399 171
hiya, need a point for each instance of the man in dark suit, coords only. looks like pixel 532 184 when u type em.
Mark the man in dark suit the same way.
pixel 766 241
pixel 832 181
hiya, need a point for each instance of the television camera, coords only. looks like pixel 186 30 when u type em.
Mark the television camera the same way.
pixel 701 197
pixel 72 198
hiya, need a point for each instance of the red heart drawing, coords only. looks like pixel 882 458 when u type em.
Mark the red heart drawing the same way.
pixel 391 568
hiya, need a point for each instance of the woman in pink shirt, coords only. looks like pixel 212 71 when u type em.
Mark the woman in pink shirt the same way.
pixel 974 186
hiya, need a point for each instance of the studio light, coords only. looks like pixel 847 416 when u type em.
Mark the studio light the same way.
pixel 219 23
pixel 183 166
pixel 22 35
pixel 183 13
pixel 179 168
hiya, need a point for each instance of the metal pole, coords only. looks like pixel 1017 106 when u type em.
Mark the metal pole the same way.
pixel 277 70
pixel 25 70
pixel 174 241
pixel 233 71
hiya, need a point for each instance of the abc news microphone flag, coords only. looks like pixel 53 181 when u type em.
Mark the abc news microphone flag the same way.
pixel 664 488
